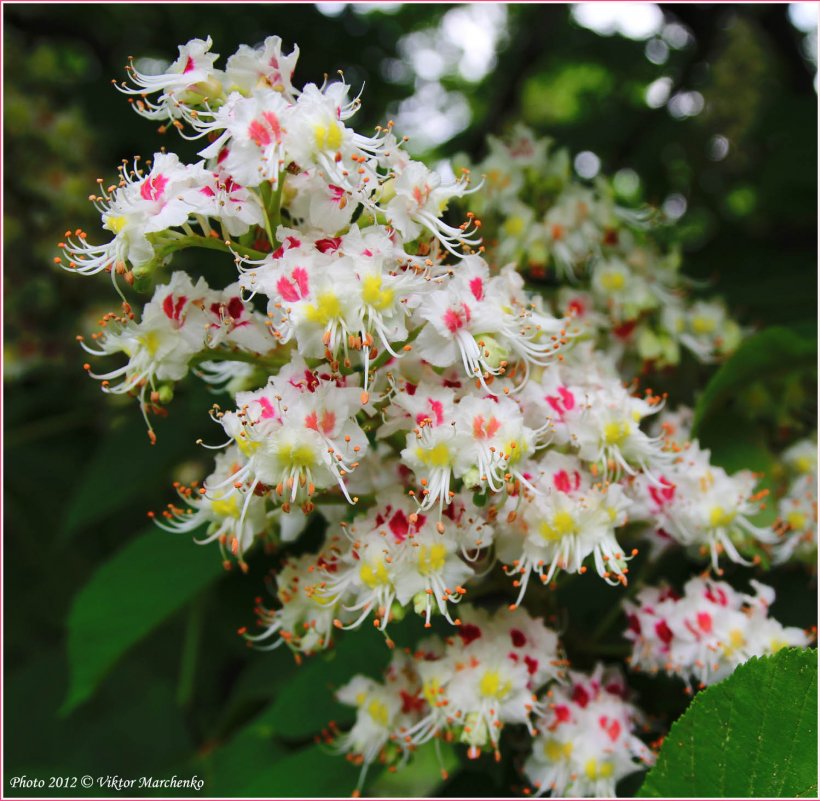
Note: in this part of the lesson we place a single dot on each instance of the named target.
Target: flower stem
(190, 651)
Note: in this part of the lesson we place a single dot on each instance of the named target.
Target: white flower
(395, 553)
(173, 329)
(482, 324)
(569, 518)
(139, 205)
(420, 200)
(586, 741)
(802, 456)
(299, 434)
(191, 80)
(700, 504)
(251, 147)
(705, 329)
(262, 67)
(606, 430)
(797, 517)
(304, 618)
(234, 527)
(706, 633)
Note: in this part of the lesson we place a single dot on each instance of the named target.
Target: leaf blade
(774, 351)
(774, 700)
(129, 596)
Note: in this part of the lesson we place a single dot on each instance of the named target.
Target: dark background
(79, 472)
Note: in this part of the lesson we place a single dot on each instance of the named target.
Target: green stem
(183, 241)
(385, 356)
(606, 621)
(611, 649)
(271, 201)
(635, 583)
(271, 363)
(190, 651)
(338, 498)
(47, 427)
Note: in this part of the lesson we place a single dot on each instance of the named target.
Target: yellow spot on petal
(555, 751)
(327, 308)
(595, 771)
(491, 685)
(299, 456)
(328, 137)
(150, 341)
(437, 456)
(245, 445)
(379, 712)
(374, 575)
(226, 507)
(563, 524)
(720, 517)
(373, 294)
(431, 559)
(703, 325)
(612, 281)
(114, 223)
(796, 520)
(616, 433)
(430, 690)
(513, 226)
(736, 640)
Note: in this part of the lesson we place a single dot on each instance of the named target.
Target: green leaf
(738, 444)
(131, 728)
(124, 469)
(310, 772)
(240, 765)
(773, 352)
(421, 777)
(308, 705)
(753, 734)
(129, 596)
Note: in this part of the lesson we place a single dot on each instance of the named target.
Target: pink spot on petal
(437, 409)
(561, 481)
(267, 409)
(477, 288)
(301, 277)
(259, 133)
(152, 188)
(287, 290)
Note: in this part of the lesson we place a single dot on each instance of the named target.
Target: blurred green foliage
(186, 696)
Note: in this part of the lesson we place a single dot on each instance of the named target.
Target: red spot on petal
(399, 525)
(469, 632)
(664, 632)
(519, 639)
(329, 245)
(580, 695)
